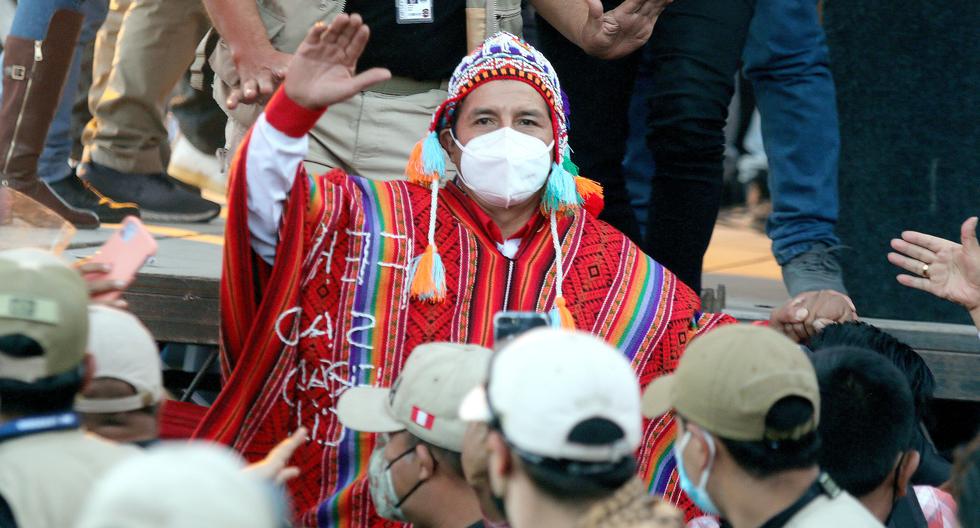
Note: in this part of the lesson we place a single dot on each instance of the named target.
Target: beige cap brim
(474, 407)
(365, 409)
(658, 398)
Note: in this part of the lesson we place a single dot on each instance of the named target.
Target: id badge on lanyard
(413, 11)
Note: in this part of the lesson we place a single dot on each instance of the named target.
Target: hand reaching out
(273, 467)
(810, 312)
(323, 69)
(260, 71)
(942, 267)
(620, 31)
(93, 272)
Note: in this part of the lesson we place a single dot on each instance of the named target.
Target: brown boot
(33, 77)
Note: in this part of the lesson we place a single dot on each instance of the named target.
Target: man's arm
(607, 35)
(321, 73)
(260, 66)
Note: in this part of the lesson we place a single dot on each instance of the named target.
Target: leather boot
(34, 75)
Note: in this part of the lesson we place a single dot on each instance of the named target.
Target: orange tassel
(429, 280)
(564, 314)
(592, 195)
(414, 170)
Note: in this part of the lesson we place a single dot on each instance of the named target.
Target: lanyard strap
(41, 423)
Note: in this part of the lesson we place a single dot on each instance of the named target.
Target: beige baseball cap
(123, 349)
(547, 384)
(43, 298)
(729, 378)
(425, 398)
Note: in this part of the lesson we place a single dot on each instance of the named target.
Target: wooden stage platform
(176, 295)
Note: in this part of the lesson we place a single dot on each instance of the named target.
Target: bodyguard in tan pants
(419, 41)
(141, 52)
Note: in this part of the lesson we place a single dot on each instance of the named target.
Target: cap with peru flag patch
(425, 398)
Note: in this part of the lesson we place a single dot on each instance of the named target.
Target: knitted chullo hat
(501, 57)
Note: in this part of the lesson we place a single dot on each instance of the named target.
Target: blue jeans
(786, 60)
(31, 22)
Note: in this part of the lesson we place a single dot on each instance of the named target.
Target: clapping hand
(323, 69)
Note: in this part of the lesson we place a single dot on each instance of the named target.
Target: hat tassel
(560, 315)
(561, 194)
(428, 272)
(426, 163)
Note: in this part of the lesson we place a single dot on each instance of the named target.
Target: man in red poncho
(331, 280)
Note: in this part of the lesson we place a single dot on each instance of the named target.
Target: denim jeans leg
(32, 16)
(787, 62)
(53, 162)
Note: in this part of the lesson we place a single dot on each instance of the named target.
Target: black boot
(158, 196)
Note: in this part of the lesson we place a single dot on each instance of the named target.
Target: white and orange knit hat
(501, 56)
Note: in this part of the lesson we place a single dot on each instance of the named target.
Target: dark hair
(966, 484)
(765, 458)
(867, 418)
(909, 362)
(574, 480)
(46, 395)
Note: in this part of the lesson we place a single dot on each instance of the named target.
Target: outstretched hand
(808, 313)
(620, 31)
(323, 69)
(941, 267)
(273, 467)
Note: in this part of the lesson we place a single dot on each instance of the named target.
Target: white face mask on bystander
(504, 167)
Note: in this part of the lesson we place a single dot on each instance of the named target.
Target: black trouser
(696, 46)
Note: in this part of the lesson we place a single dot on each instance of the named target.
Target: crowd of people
(396, 179)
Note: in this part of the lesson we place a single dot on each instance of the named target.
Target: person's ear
(700, 452)
(427, 463)
(88, 371)
(446, 140)
(499, 463)
(907, 467)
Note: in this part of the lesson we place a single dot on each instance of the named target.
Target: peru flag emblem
(422, 418)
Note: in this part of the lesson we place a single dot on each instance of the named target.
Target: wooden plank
(957, 375)
(177, 309)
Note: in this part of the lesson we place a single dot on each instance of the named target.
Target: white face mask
(505, 167)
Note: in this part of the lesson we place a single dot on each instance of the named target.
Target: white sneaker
(196, 168)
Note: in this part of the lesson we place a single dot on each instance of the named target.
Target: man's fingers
(595, 9)
(918, 283)
(93, 267)
(336, 28)
(908, 264)
(358, 42)
(286, 475)
(968, 234)
(371, 77)
(316, 33)
(911, 250)
(234, 98)
(267, 84)
(348, 32)
(932, 243)
(250, 89)
(651, 8)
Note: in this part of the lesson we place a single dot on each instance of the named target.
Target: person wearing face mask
(562, 410)
(334, 276)
(415, 472)
(748, 405)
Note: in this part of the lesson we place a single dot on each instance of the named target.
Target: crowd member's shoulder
(840, 510)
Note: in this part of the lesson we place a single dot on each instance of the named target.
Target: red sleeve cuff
(288, 117)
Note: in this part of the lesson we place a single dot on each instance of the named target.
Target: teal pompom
(560, 195)
(433, 157)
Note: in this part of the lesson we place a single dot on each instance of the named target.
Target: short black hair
(575, 480)
(764, 458)
(909, 362)
(867, 418)
(46, 395)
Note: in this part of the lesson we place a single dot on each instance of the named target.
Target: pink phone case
(126, 251)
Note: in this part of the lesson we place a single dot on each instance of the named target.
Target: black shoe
(158, 197)
(82, 195)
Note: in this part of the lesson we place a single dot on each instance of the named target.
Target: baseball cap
(188, 484)
(123, 349)
(44, 299)
(729, 378)
(549, 384)
(425, 397)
